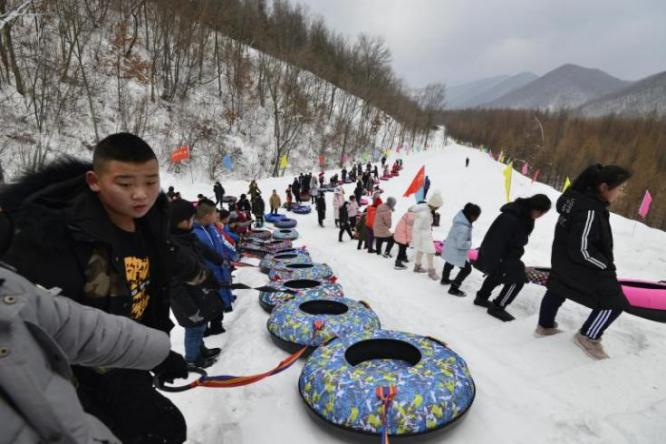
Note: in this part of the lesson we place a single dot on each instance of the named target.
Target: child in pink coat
(403, 237)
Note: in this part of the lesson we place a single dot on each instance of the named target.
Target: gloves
(174, 366)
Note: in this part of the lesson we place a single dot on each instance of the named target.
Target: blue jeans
(193, 342)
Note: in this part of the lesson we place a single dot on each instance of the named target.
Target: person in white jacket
(338, 200)
(41, 335)
(422, 240)
(456, 248)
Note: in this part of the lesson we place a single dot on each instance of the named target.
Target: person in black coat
(244, 205)
(258, 209)
(321, 208)
(358, 192)
(193, 291)
(343, 221)
(296, 189)
(344, 175)
(501, 252)
(218, 189)
(106, 246)
(375, 172)
(583, 267)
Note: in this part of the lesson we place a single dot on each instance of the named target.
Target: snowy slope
(529, 390)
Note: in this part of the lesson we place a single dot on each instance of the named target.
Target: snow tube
(261, 248)
(645, 299)
(298, 287)
(434, 386)
(472, 254)
(259, 234)
(227, 199)
(285, 233)
(274, 217)
(287, 256)
(285, 223)
(301, 209)
(292, 324)
(301, 271)
(364, 201)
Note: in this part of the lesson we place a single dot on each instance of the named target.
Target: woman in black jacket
(583, 267)
(501, 251)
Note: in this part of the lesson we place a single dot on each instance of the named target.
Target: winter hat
(435, 200)
(180, 210)
(391, 202)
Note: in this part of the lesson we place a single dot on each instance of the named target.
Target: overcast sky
(457, 41)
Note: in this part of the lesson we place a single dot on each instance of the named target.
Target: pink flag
(645, 205)
(397, 150)
(525, 169)
(536, 176)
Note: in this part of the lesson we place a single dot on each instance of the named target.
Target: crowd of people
(121, 254)
(582, 256)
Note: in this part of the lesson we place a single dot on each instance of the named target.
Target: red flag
(321, 160)
(536, 176)
(417, 182)
(181, 153)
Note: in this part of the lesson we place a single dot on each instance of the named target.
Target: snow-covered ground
(529, 390)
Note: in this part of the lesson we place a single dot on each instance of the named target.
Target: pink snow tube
(472, 255)
(364, 201)
(644, 294)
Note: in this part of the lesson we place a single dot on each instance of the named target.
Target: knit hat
(391, 202)
(180, 210)
(435, 200)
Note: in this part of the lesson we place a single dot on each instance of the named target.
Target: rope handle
(386, 395)
(161, 384)
(365, 304)
(440, 342)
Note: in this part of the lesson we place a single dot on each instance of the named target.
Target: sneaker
(542, 332)
(371, 251)
(432, 274)
(445, 281)
(210, 352)
(481, 302)
(455, 291)
(203, 362)
(387, 255)
(419, 269)
(592, 347)
(500, 313)
(400, 267)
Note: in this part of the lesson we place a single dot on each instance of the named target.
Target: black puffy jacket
(583, 267)
(504, 244)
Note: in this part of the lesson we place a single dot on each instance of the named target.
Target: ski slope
(530, 390)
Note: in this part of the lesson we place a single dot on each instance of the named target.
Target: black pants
(362, 241)
(506, 296)
(402, 254)
(460, 277)
(128, 404)
(345, 227)
(321, 216)
(594, 326)
(274, 211)
(389, 244)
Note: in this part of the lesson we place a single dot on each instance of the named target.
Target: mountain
(458, 96)
(480, 94)
(640, 98)
(568, 86)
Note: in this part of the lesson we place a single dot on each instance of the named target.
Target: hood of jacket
(461, 219)
(573, 199)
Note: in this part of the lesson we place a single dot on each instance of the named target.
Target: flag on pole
(535, 176)
(228, 163)
(284, 162)
(567, 184)
(181, 153)
(508, 171)
(417, 182)
(525, 170)
(500, 159)
(322, 160)
(645, 205)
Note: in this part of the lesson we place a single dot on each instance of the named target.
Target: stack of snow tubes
(301, 209)
(285, 233)
(359, 377)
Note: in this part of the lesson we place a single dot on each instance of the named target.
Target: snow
(529, 390)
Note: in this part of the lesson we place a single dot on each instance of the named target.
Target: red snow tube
(472, 255)
(644, 299)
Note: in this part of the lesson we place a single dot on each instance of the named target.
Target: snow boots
(542, 332)
(432, 274)
(455, 291)
(592, 347)
(499, 312)
(419, 269)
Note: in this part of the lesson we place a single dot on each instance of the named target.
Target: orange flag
(417, 182)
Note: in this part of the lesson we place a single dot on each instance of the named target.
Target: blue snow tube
(301, 209)
(285, 223)
(293, 324)
(299, 287)
(286, 256)
(316, 271)
(274, 217)
(434, 386)
(285, 233)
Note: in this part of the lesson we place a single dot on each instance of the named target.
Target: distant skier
(218, 189)
(466, 162)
